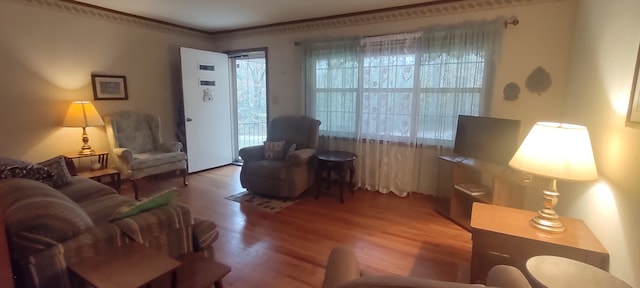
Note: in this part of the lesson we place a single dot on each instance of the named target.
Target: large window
(394, 94)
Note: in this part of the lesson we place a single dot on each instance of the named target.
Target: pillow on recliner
(273, 150)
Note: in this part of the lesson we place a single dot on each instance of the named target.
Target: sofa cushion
(37, 216)
(14, 168)
(156, 158)
(58, 167)
(83, 189)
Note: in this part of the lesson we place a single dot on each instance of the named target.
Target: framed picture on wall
(633, 115)
(109, 87)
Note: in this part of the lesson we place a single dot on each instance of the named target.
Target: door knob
(189, 119)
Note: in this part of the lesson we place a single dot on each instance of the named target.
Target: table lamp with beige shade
(83, 114)
(558, 151)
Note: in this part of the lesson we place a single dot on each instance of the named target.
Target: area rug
(264, 203)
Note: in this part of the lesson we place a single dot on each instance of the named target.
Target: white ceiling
(221, 15)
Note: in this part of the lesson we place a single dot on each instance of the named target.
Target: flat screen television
(488, 139)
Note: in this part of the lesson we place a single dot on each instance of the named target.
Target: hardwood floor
(289, 248)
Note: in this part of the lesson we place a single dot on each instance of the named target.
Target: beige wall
(531, 44)
(605, 49)
(46, 60)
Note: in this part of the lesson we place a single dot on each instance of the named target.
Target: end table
(340, 162)
(94, 174)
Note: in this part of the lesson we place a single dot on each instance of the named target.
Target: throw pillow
(273, 150)
(291, 149)
(58, 166)
(162, 199)
(14, 168)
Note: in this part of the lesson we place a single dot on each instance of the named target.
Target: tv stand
(463, 181)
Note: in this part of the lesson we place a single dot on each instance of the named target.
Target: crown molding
(428, 9)
(387, 15)
(86, 10)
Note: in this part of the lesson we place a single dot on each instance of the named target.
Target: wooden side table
(132, 265)
(339, 162)
(96, 174)
(200, 271)
(502, 235)
(554, 271)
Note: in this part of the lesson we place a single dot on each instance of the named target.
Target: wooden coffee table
(132, 265)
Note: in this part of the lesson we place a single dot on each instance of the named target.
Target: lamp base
(84, 151)
(86, 148)
(547, 220)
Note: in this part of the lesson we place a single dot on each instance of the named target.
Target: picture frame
(109, 87)
(633, 115)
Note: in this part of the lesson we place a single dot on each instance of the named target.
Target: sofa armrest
(299, 157)
(172, 146)
(252, 153)
(506, 277)
(163, 228)
(342, 267)
(124, 154)
(205, 232)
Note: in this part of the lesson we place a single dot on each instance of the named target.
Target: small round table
(554, 271)
(339, 162)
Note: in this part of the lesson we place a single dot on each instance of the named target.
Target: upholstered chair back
(298, 129)
(135, 131)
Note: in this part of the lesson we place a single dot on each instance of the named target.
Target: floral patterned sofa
(48, 227)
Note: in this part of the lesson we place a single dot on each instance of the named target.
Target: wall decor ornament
(633, 115)
(109, 87)
(538, 81)
(511, 91)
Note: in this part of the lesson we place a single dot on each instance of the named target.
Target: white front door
(207, 108)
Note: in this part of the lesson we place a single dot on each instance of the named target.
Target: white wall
(605, 49)
(46, 60)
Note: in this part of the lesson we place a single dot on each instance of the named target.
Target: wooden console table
(502, 235)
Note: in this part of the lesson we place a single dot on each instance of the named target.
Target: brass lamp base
(86, 148)
(548, 221)
(88, 151)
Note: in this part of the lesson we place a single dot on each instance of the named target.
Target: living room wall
(530, 44)
(48, 54)
(604, 53)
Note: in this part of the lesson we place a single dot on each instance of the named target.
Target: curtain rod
(511, 21)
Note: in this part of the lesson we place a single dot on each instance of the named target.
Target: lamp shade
(557, 150)
(82, 114)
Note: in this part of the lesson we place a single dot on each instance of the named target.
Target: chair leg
(135, 188)
(184, 177)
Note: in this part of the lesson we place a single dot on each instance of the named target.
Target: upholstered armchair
(288, 169)
(135, 141)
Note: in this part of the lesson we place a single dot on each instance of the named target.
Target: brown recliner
(293, 174)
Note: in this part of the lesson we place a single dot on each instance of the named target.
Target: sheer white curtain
(394, 99)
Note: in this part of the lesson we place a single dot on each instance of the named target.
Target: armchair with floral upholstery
(135, 141)
(284, 166)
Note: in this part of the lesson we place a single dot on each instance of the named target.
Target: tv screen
(489, 139)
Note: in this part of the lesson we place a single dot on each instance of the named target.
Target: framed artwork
(633, 115)
(109, 87)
